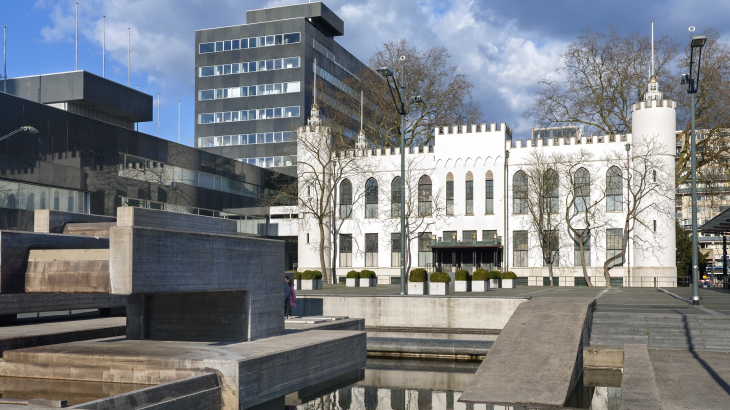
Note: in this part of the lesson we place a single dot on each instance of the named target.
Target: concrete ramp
(538, 357)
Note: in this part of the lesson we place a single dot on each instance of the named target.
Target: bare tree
(584, 195)
(424, 207)
(601, 75)
(322, 161)
(426, 72)
(649, 185)
(536, 190)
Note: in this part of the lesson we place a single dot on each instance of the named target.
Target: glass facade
(249, 91)
(250, 42)
(250, 67)
(28, 197)
(248, 115)
(246, 139)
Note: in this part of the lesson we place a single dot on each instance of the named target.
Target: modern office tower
(254, 82)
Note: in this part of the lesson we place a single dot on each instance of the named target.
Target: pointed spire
(362, 142)
(314, 119)
(652, 92)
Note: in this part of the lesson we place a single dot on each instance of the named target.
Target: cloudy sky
(506, 47)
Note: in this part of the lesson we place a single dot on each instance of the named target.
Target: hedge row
(418, 275)
(365, 274)
(440, 277)
(308, 275)
(462, 275)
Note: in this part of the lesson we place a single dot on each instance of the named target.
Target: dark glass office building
(87, 157)
(253, 81)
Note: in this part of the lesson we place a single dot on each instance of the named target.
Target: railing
(468, 243)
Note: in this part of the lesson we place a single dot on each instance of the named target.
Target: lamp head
(417, 100)
(385, 71)
(30, 130)
(685, 79)
(628, 147)
(698, 41)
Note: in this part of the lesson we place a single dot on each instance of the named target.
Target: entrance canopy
(717, 225)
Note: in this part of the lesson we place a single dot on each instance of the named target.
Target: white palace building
(468, 209)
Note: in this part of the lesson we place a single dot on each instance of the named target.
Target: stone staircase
(661, 331)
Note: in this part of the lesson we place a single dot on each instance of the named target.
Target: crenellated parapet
(473, 128)
(618, 139)
(653, 104)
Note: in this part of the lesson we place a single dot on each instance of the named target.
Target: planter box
(352, 282)
(479, 285)
(462, 286)
(438, 288)
(311, 284)
(494, 283)
(508, 283)
(297, 284)
(367, 282)
(418, 288)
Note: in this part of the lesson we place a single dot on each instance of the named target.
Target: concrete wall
(28, 303)
(68, 271)
(152, 218)
(47, 221)
(145, 260)
(426, 311)
(190, 316)
(15, 247)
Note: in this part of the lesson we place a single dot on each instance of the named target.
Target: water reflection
(392, 384)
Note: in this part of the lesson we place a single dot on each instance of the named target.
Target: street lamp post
(628, 206)
(28, 129)
(400, 108)
(692, 82)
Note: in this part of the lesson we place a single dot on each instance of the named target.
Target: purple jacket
(293, 299)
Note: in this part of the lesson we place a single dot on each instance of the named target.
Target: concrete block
(508, 284)
(479, 285)
(310, 284)
(417, 288)
(153, 218)
(45, 302)
(638, 382)
(47, 221)
(495, 283)
(88, 229)
(15, 247)
(367, 282)
(352, 282)
(220, 316)
(525, 354)
(68, 271)
(603, 358)
(462, 286)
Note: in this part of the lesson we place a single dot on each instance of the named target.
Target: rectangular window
(235, 68)
(395, 249)
(206, 142)
(277, 137)
(586, 239)
(207, 48)
(449, 197)
(469, 197)
(292, 87)
(552, 243)
(291, 112)
(371, 249)
(207, 71)
(252, 42)
(244, 43)
(227, 45)
(291, 62)
(614, 242)
(469, 236)
(449, 236)
(489, 236)
(291, 38)
(219, 70)
(425, 255)
(236, 44)
(218, 46)
(278, 39)
(206, 118)
(519, 249)
(345, 250)
(269, 137)
(489, 197)
(269, 64)
(206, 95)
(227, 69)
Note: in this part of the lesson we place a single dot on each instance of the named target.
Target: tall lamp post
(29, 130)
(692, 81)
(400, 108)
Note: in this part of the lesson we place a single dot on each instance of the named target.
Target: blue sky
(505, 47)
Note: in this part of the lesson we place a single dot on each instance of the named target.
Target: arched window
(582, 188)
(371, 198)
(449, 194)
(395, 198)
(424, 196)
(56, 200)
(519, 192)
(614, 189)
(489, 193)
(551, 189)
(345, 199)
(30, 202)
(469, 193)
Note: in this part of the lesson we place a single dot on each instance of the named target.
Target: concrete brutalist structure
(197, 302)
(538, 357)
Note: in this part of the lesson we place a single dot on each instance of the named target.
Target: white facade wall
(482, 148)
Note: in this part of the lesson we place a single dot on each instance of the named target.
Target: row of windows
(246, 139)
(249, 91)
(270, 162)
(425, 256)
(332, 79)
(248, 115)
(18, 195)
(250, 67)
(331, 56)
(550, 184)
(614, 241)
(143, 169)
(251, 42)
(371, 197)
(469, 235)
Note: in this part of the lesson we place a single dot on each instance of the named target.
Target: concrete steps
(668, 332)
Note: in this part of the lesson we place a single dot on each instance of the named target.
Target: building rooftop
(317, 13)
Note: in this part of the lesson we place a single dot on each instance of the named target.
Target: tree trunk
(322, 262)
(583, 263)
(550, 271)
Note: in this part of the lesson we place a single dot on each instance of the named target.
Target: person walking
(287, 297)
(292, 299)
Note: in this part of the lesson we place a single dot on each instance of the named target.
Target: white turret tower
(655, 119)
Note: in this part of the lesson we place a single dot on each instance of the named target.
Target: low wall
(47, 221)
(153, 218)
(413, 311)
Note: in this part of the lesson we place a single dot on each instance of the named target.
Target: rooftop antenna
(5, 59)
(77, 37)
(361, 108)
(315, 82)
(178, 121)
(129, 49)
(652, 48)
(103, 48)
(158, 115)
